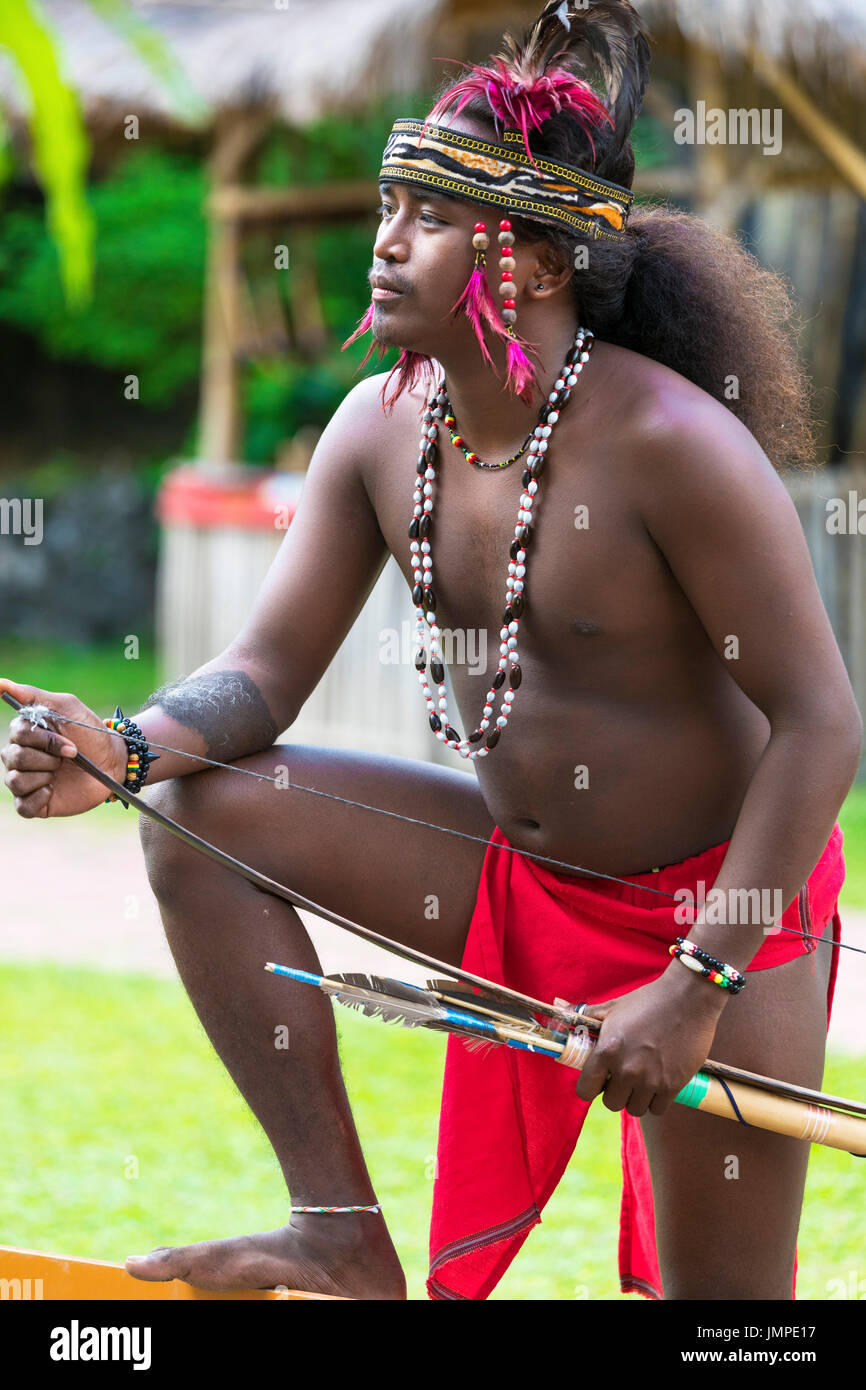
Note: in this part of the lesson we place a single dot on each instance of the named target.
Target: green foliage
(146, 312)
(61, 146)
(145, 316)
(99, 675)
(282, 395)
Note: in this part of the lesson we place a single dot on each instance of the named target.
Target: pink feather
(363, 327)
(410, 367)
(520, 106)
(480, 308)
(521, 372)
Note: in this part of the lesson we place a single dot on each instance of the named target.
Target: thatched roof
(312, 57)
(828, 35)
(317, 56)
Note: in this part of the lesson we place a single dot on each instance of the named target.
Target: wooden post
(718, 198)
(219, 415)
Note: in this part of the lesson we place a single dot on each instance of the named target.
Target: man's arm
(330, 559)
(727, 528)
(724, 523)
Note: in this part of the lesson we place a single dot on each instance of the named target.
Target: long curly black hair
(674, 289)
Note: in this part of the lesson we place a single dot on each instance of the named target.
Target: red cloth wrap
(510, 1120)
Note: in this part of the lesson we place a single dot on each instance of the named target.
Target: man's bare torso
(620, 677)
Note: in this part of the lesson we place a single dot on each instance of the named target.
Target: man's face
(423, 251)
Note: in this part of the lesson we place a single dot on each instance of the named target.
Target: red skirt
(510, 1120)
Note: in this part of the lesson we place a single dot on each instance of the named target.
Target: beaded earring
(521, 372)
(507, 267)
(480, 307)
(476, 300)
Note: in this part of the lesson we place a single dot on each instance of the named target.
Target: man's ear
(551, 271)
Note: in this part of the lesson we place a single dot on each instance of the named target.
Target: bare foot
(352, 1259)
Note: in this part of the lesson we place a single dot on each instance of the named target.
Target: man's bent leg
(221, 930)
(727, 1198)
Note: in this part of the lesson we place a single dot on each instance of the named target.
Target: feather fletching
(465, 997)
(445, 1009)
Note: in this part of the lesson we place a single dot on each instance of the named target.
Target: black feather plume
(606, 38)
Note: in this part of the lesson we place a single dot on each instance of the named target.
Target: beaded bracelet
(705, 958)
(699, 960)
(139, 756)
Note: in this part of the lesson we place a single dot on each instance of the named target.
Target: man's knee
(169, 861)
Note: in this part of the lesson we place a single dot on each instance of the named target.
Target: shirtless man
(692, 538)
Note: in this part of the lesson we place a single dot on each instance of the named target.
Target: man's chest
(591, 572)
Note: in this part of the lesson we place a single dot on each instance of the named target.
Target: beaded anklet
(699, 960)
(328, 1209)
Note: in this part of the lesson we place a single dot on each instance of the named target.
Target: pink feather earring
(476, 300)
(480, 307)
(521, 372)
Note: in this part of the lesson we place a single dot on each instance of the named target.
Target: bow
(574, 1017)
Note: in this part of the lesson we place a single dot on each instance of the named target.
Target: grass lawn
(852, 819)
(101, 675)
(122, 1131)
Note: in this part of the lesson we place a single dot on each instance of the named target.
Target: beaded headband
(445, 159)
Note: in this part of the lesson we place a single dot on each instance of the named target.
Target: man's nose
(391, 243)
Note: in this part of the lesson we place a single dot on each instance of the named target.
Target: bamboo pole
(813, 1123)
(219, 414)
(834, 143)
(762, 1109)
(314, 202)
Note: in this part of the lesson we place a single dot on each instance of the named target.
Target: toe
(165, 1262)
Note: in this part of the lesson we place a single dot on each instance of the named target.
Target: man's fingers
(660, 1103)
(617, 1093)
(19, 759)
(601, 1011)
(35, 805)
(640, 1100)
(592, 1079)
(24, 694)
(22, 784)
(26, 735)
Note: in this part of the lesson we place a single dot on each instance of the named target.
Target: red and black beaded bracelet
(138, 754)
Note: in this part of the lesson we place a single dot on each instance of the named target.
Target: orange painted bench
(32, 1275)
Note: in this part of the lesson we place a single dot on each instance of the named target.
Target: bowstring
(37, 712)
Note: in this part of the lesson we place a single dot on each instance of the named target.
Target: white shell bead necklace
(421, 558)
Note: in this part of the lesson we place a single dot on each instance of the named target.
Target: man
(681, 689)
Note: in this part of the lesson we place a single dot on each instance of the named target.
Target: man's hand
(39, 771)
(652, 1041)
